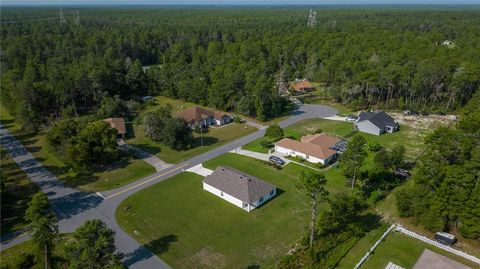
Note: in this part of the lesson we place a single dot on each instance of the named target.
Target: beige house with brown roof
(301, 87)
(201, 116)
(118, 124)
(317, 148)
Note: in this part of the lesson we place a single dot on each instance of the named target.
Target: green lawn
(215, 137)
(191, 228)
(17, 192)
(26, 255)
(124, 171)
(404, 251)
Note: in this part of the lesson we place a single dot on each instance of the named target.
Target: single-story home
(317, 148)
(201, 116)
(375, 123)
(238, 188)
(300, 87)
(118, 124)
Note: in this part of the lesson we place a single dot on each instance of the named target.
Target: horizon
(206, 3)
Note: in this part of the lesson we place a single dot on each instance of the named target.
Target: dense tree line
(237, 59)
(446, 191)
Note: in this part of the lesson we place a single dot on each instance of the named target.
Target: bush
(374, 146)
(237, 119)
(319, 131)
(266, 144)
(274, 131)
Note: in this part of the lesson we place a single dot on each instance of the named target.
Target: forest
(236, 59)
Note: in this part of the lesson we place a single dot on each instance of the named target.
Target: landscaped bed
(213, 138)
(189, 227)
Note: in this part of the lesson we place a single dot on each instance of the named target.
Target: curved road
(73, 207)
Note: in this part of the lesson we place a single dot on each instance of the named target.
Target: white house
(240, 189)
(375, 123)
(318, 148)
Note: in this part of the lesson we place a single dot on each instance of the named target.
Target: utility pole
(77, 18)
(62, 17)
(312, 18)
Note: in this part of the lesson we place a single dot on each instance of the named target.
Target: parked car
(351, 118)
(277, 160)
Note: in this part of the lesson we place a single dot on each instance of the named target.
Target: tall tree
(314, 186)
(353, 157)
(43, 225)
(93, 247)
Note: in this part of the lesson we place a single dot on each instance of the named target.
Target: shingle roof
(301, 85)
(117, 123)
(242, 186)
(379, 119)
(196, 113)
(432, 260)
(318, 145)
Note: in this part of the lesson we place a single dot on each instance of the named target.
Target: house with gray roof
(238, 188)
(376, 123)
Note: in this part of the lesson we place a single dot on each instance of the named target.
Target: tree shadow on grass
(157, 246)
(162, 244)
(207, 141)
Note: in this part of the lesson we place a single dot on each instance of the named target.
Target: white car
(351, 118)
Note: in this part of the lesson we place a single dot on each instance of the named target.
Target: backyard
(404, 251)
(127, 169)
(189, 227)
(215, 137)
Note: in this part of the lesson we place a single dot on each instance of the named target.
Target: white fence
(419, 237)
(364, 258)
(438, 245)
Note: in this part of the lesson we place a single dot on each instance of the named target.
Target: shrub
(319, 131)
(374, 146)
(266, 144)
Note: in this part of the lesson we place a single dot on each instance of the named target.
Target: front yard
(191, 228)
(127, 169)
(215, 137)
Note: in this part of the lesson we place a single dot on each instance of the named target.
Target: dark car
(351, 118)
(277, 160)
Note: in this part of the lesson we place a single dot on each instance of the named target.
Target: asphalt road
(73, 207)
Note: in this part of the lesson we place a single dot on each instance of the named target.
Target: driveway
(74, 207)
(151, 159)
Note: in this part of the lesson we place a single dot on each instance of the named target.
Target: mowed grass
(17, 192)
(405, 251)
(191, 228)
(126, 170)
(27, 255)
(215, 137)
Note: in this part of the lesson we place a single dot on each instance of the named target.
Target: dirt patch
(208, 257)
(424, 122)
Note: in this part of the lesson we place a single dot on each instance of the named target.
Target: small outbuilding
(445, 238)
(238, 188)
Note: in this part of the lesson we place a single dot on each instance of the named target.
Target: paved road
(73, 207)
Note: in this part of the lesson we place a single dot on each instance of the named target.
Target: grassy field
(404, 251)
(215, 137)
(124, 171)
(17, 192)
(191, 228)
(25, 255)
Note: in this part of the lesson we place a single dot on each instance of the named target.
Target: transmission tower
(77, 18)
(62, 17)
(312, 18)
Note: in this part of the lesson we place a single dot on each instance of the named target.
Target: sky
(234, 2)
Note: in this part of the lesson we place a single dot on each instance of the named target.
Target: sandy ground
(424, 122)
